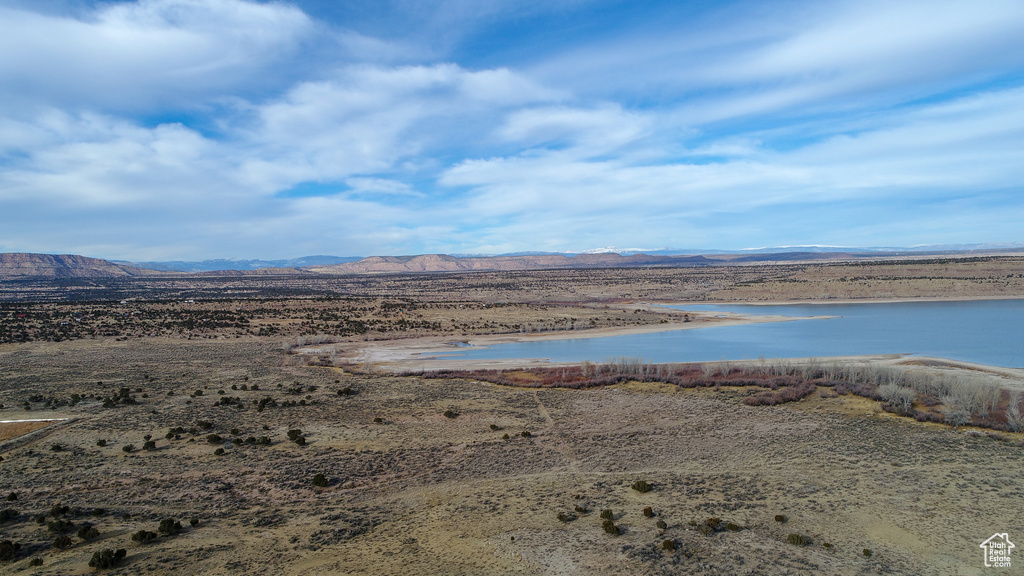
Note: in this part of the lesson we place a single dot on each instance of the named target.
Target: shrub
(8, 550)
(669, 545)
(143, 536)
(505, 436)
(107, 558)
(204, 424)
(649, 512)
(580, 509)
(867, 552)
(661, 524)
(88, 533)
(194, 522)
(56, 448)
(8, 514)
(607, 515)
(495, 427)
(733, 527)
(218, 452)
(214, 438)
(149, 446)
(35, 562)
(12, 497)
(320, 480)
(294, 434)
(781, 519)
(526, 434)
(59, 526)
(610, 527)
(566, 517)
(449, 413)
(798, 539)
(641, 486)
(98, 511)
(128, 448)
(378, 420)
(301, 440)
(63, 541)
(169, 526)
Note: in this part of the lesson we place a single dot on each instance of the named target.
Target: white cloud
(143, 54)
(753, 58)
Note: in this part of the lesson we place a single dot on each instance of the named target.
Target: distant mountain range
(328, 262)
(19, 265)
(224, 264)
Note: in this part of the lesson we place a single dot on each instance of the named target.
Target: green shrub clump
(143, 536)
(169, 526)
(781, 519)
(88, 533)
(107, 558)
(8, 550)
(59, 526)
(62, 542)
(610, 527)
(641, 486)
(669, 545)
(607, 515)
(319, 480)
(799, 540)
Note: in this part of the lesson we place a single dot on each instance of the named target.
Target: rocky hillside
(19, 265)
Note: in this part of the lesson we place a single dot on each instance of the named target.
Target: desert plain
(268, 425)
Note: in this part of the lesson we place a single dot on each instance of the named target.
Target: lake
(986, 332)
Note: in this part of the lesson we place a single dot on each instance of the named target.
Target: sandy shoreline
(441, 352)
(429, 352)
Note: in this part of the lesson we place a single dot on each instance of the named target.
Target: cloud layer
(164, 129)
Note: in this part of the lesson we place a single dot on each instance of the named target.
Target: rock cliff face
(19, 265)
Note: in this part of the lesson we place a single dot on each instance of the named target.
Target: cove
(981, 331)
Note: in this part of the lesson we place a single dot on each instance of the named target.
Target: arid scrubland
(193, 438)
(459, 476)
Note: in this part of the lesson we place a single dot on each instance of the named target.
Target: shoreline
(442, 351)
(395, 354)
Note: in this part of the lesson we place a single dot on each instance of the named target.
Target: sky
(195, 129)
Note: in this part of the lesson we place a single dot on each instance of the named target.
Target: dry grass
(419, 493)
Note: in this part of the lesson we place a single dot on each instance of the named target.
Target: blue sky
(188, 129)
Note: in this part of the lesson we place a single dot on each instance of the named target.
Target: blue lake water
(986, 332)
